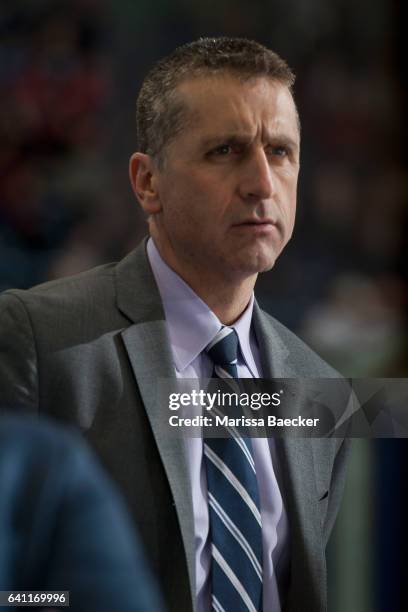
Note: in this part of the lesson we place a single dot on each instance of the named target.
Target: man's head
(161, 112)
(219, 158)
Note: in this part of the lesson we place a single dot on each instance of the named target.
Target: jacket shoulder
(85, 292)
(78, 286)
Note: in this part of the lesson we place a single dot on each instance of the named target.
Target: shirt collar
(191, 324)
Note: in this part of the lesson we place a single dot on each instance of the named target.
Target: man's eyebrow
(227, 139)
(283, 140)
(242, 138)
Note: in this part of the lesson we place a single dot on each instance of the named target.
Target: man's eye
(224, 149)
(279, 151)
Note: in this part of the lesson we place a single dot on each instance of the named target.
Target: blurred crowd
(59, 209)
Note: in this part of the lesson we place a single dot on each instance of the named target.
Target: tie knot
(223, 349)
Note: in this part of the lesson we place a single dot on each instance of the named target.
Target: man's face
(227, 190)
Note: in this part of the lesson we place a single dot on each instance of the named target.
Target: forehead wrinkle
(235, 120)
(272, 132)
(239, 119)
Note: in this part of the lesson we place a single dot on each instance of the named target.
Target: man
(62, 524)
(216, 173)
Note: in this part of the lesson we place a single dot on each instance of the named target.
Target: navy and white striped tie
(235, 518)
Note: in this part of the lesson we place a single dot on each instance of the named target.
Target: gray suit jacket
(89, 350)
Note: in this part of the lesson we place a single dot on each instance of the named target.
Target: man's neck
(227, 302)
(226, 297)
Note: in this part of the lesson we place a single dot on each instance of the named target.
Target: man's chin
(255, 265)
(268, 266)
(263, 259)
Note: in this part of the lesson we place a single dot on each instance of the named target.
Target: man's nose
(257, 178)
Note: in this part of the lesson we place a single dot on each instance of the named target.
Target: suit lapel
(297, 481)
(150, 355)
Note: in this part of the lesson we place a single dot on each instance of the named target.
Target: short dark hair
(160, 112)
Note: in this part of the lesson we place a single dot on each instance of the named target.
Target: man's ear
(141, 170)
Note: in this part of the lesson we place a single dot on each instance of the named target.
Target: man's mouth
(257, 224)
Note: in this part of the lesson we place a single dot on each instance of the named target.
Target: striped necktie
(233, 499)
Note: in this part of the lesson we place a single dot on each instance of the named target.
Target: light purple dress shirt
(191, 327)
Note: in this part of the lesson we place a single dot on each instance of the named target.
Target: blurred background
(69, 77)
